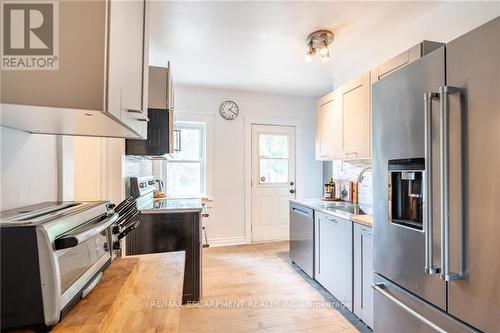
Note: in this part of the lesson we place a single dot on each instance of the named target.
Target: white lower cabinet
(333, 256)
(363, 273)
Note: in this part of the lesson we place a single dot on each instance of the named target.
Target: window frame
(202, 127)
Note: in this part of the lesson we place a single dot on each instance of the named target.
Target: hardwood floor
(255, 288)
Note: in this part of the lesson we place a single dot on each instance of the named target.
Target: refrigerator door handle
(428, 229)
(380, 287)
(446, 275)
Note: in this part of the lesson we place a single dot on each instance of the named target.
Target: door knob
(292, 191)
(292, 183)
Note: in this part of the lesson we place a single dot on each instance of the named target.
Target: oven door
(87, 253)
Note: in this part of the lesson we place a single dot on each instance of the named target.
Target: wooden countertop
(136, 294)
(363, 219)
(154, 302)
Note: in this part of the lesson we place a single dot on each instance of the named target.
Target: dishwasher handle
(302, 211)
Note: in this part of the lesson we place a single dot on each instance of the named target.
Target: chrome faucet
(360, 176)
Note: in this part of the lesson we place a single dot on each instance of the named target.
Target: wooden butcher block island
(136, 294)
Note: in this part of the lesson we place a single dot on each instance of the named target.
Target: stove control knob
(116, 245)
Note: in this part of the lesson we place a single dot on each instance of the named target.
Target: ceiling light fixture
(318, 41)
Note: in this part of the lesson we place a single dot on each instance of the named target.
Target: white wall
(97, 169)
(227, 186)
(29, 168)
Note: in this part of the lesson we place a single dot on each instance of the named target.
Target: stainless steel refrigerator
(436, 165)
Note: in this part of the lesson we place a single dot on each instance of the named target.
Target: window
(185, 170)
(273, 158)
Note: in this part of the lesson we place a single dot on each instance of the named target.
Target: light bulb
(324, 49)
(325, 57)
(310, 53)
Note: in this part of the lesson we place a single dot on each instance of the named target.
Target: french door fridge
(436, 164)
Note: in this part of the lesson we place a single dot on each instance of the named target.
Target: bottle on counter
(329, 189)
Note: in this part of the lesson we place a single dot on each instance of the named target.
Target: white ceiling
(259, 46)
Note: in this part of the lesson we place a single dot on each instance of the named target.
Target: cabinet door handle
(142, 116)
(332, 220)
(177, 140)
(355, 153)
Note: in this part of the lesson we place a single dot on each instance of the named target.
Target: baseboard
(227, 241)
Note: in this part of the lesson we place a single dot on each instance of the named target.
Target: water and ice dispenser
(406, 181)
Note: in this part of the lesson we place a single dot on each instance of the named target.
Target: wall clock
(229, 110)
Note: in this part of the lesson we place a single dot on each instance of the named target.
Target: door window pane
(273, 170)
(273, 146)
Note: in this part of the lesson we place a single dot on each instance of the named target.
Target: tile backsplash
(350, 170)
(137, 167)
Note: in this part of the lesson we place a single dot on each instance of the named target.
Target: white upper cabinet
(354, 101)
(343, 117)
(328, 127)
(128, 70)
(101, 86)
(403, 59)
(343, 122)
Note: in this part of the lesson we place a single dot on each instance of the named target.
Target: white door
(273, 181)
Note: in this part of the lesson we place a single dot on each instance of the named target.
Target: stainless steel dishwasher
(302, 237)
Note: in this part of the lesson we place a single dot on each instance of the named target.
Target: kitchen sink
(345, 208)
(351, 209)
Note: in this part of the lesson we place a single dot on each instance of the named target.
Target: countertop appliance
(168, 225)
(435, 176)
(302, 237)
(53, 254)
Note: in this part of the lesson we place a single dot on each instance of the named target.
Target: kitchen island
(170, 205)
(136, 294)
(171, 224)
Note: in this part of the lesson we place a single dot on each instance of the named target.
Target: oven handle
(92, 285)
(73, 240)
